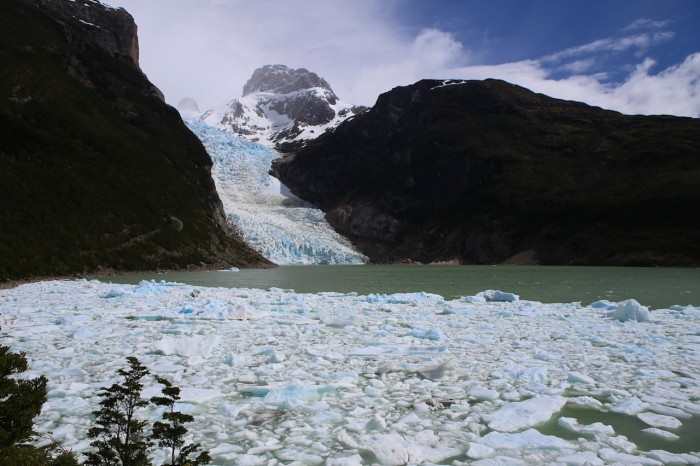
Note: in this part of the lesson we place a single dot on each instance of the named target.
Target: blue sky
(634, 56)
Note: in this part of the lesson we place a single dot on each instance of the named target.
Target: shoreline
(14, 283)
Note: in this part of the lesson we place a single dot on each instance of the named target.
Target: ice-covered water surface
(277, 377)
(271, 219)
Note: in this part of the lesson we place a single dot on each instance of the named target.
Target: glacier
(279, 225)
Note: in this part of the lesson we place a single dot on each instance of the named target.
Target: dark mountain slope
(96, 171)
(488, 172)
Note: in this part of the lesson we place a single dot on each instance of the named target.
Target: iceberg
(631, 310)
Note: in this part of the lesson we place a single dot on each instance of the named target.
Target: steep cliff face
(488, 172)
(112, 29)
(96, 172)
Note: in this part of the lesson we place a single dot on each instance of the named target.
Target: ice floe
(276, 377)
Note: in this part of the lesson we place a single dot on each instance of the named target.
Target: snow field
(276, 377)
(258, 205)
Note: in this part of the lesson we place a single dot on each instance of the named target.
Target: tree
(119, 435)
(20, 402)
(170, 434)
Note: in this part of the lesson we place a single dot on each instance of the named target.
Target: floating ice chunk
(577, 377)
(631, 310)
(233, 269)
(582, 458)
(661, 433)
(572, 424)
(479, 451)
(291, 395)
(499, 461)
(669, 411)
(527, 413)
(603, 304)
(433, 334)
(439, 371)
(529, 439)
(196, 345)
(660, 420)
(403, 298)
(674, 458)
(251, 460)
(612, 456)
(345, 320)
(388, 367)
(689, 311)
(376, 423)
(295, 456)
(584, 401)
(390, 449)
(276, 356)
(482, 393)
(524, 374)
(113, 293)
(491, 295)
(146, 287)
(354, 460)
(394, 350)
(630, 406)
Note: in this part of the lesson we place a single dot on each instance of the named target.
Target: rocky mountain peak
(282, 107)
(280, 79)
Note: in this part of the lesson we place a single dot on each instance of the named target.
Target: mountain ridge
(488, 172)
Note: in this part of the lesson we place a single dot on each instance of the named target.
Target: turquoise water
(629, 426)
(653, 287)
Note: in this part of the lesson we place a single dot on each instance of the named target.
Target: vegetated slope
(488, 172)
(96, 171)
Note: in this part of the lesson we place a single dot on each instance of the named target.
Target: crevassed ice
(270, 218)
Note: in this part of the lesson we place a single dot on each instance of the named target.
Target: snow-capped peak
(280, 106)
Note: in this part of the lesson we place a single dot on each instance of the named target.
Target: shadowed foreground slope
(97, 173)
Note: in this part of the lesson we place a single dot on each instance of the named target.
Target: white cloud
(207, 49)
(646, 23)
(639, 42)
(673, 91)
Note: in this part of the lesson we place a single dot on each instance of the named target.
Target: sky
(633, 56)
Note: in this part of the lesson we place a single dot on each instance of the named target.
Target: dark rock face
(96, 172)
(488, 172)
(112, 29)
(280, 79)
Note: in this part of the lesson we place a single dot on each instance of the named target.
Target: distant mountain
(487, 172)
(282, 107)
(97, 173)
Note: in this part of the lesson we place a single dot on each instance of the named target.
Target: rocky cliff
(487, 172)
(282, 107)
(97, 173)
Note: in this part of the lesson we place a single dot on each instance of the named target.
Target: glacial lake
(653, 287)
